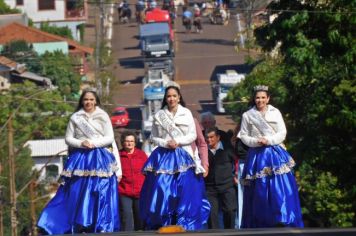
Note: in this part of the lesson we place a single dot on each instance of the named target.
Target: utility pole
(12, 178)
(1, 206)
(99, 34)
(240, 31)
(32, 208)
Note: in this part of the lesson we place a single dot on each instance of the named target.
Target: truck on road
(155, 40)
(223, 84)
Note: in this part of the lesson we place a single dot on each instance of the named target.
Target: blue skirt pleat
(172, 193)
(86, 201)
(270, 192)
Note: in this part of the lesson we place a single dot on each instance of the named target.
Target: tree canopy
(36, 113)
(313, 83)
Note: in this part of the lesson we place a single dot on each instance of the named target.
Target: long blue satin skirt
(172, 193)
(270, 190)
(88, 199)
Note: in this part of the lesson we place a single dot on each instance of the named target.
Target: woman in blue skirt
(270, 192)
(173, 192)
(87, 201)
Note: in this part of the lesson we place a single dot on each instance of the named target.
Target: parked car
(120, 117)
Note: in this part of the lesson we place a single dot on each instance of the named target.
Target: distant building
(12, 72)
(10, 18)
(60, 13)
(48, 156)
(42, 41)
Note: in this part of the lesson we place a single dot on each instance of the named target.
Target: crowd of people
(198, 176)
(216, 11)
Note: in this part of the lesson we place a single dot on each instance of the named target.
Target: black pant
(226, 199)
(129, 214)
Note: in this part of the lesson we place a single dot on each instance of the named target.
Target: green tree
(56, 66)
(23, 53)
(60, 69)
(36, 113)
(313, 83)
(5, 9)
(61, 31)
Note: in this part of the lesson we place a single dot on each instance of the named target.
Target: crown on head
(260, 88)
(90, 89)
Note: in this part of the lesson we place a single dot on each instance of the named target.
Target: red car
(120, 117)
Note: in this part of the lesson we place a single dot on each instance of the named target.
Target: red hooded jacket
(132, 177)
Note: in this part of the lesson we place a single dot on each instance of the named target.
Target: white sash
(260, 123)
(169, 126)
(87, 129)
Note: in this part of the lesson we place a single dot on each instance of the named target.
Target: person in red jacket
(132, 161)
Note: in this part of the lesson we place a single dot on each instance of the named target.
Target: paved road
(198, 58)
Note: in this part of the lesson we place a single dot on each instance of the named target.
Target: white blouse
(249, 133)
(183, 119)
(103, 133)
(100, 120)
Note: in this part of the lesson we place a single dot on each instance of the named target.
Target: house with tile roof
(61, 13)
(42, 41)
(12, 72)
(49, 156)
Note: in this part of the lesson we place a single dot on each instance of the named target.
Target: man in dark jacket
(207, 120)
(220, 186)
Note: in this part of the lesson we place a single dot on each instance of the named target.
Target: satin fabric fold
(270, 190)
(172, 193)
(88, 198)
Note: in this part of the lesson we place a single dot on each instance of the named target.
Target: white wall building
(70, 13)
(48, 156)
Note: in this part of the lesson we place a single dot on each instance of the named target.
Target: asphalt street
(199, 57)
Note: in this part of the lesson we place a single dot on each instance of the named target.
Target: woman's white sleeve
(70, 137)
(244, 133)
(155, 139)
(191, 135)
(280, 130)
(116, 153)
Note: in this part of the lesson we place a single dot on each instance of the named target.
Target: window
(46, 4)
(52, 171)
(19, 2)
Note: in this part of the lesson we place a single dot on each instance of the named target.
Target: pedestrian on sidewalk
(87, 201)
(173, 192)
(270, 191)
(132, 161)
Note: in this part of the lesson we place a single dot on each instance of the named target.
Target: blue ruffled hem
(266, 161)
(86, 202)
(90, 162)
(270, 194)
(168, 161)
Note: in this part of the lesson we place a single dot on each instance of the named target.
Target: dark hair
(80, 103)
(125, 134)
(212, 129)
(181, 101)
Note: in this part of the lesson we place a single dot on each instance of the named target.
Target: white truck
(224, 83)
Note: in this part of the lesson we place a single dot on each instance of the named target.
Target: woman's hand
(119, 178)
(262, 141)
(172, 144)
(206, 173)
(87, 144)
